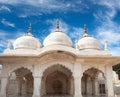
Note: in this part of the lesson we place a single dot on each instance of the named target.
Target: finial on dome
(30, 29)
(106, 45)
(85, 29)
(57, 25)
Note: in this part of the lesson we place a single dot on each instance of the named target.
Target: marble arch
(89, 68)
(57, 80)
(19, 67)
(20, 83)
(93, 83)
(68, 66)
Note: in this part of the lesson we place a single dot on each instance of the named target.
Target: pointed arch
(20, 82)
(93, 82)
(57, 80)
(96, 69)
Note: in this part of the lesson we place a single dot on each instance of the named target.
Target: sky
(102, 18)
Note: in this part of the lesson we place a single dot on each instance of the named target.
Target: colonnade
(77, 84)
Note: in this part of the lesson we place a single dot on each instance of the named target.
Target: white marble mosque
(57, 68)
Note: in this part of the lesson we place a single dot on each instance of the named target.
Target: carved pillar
(109, 81)
(37, 86)
(42, 91)
(93, 86)
(72, 86)
(85, 85)
(4, 81)
(89, 86)
(24, 91)
(96, 86)
(77, 79)
(19, 81)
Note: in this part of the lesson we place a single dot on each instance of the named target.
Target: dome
(57, 37)
(27, 41)
(88, 42)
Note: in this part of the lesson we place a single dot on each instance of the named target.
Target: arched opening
(93, 83)
(20, 83)
(57, 81)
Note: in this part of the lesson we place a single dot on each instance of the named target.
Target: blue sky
(102, 18)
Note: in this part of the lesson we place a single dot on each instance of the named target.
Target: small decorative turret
(106, 45)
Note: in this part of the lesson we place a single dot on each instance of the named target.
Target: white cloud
(48, 5)
(3, 43)
(10, 1)
(115, 51)
(109, 3)
(109, 35)
(112, 6)
(108, 29)
(7, 23)
(5, 36)
(13, 35)
(23, 16)
(5, 8)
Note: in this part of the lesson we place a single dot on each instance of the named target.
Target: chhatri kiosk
(57, 68)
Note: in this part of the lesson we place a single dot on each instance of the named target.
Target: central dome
(57, 37)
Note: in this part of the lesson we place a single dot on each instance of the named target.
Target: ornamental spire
(30, 29)
(85, 29)
(57, 25)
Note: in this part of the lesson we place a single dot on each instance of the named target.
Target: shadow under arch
(57, 80)
(20, 83)
(93, 83)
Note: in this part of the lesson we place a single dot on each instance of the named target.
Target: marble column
(93, 86)
(37, 86)
(42, 91)
(77, 87)
(19, 81)
(85, 85)
(72, 86)
(4, 81)
(96, 86)
(109, 81)
(89, 86)
(77, 79)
